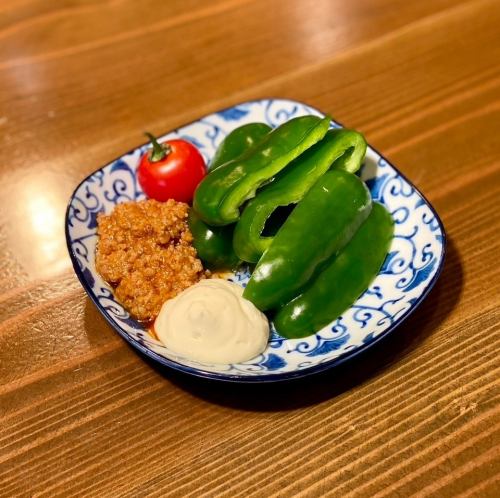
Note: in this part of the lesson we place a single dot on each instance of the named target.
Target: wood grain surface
(81, 414)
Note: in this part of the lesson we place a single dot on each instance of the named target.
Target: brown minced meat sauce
(145, 252)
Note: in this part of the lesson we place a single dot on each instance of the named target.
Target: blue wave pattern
(414, 258)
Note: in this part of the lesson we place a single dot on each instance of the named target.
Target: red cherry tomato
(171, 170)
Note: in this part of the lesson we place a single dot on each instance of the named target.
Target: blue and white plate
(409, 272)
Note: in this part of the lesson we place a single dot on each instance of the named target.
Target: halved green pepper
(319, 227)
(341, 281)
(220, 194)
(214, 245)
(237, 142)
(344, 148)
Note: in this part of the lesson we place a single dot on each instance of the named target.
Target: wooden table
(82, 414)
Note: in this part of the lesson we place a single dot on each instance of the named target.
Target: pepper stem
(160, 151)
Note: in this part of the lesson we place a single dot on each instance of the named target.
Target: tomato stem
(160, 151)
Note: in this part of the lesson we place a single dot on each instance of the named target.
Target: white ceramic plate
(409, 272)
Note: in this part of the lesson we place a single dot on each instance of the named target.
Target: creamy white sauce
(211, 322)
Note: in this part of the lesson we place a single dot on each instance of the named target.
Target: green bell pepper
(318, 227)
(214, 245)
(237, 142)
(342, 280)
(344, 148)
(220, 194)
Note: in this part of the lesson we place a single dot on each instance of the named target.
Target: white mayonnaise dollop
(211, 322)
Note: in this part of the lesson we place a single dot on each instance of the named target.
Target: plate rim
(258, 378)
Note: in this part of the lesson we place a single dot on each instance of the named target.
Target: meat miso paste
(145, 252)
